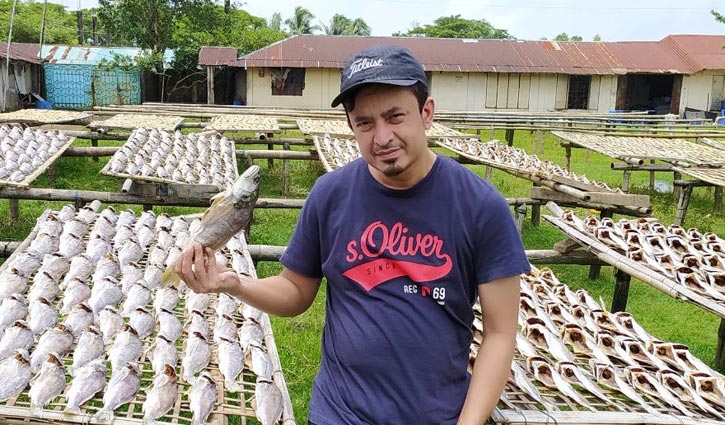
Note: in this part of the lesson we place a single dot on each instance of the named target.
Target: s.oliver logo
(383, 251)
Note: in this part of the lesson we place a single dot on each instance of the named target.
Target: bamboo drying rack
(25, 183)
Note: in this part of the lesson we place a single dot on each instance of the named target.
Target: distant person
(407, 240)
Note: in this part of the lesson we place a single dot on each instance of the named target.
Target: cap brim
(403, 83)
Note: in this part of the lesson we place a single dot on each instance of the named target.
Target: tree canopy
(60, 26)
(301, 22)
(342, 25)
(456, 27)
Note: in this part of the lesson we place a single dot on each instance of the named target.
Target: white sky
(613, 20)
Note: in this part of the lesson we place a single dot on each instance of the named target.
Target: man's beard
(392, 169)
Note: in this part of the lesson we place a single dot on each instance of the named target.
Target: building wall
(321, 86)
(703, 90)
(603, 93)
(22, 80)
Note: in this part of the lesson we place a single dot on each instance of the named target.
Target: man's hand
(197, 267)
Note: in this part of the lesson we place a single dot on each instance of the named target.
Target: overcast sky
(613, 20)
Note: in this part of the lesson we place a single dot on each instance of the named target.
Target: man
(407, 239)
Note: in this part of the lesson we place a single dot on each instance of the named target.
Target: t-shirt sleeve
(302, 254)
(500, 253)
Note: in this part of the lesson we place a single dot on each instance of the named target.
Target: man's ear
(427, 113)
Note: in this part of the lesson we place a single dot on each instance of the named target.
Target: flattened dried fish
(90, 347)
(122, 388)
(268, 401)
(42, 315)
(606, 375)
(640, 379)
(574, 375)
(678, 387)
(57, 340)
(162, 395)
(15, 374)
(89, 380)
(17, 336)
(543, 371)
(202, 398)
(47, 383)
(196, 356)
(231, 363)
(162, 352)
(126, 348)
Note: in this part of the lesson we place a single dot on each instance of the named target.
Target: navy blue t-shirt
(402, 269)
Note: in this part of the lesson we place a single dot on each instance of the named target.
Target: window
(287, 81)
(579, 91)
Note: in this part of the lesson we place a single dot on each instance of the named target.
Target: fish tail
(170, 278)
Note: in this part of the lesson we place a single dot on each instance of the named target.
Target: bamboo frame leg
(621, 291)
(492, 134)
(94, 143)
(52, 173)
(718, 200)
(285, 173)
(536, 215)
(676, 189)
(626, 176)
(567, 154)
(651, 177)
(595, 269)
(720, 350)
(489, 173)
(520, 217)
(510, 136)
(270, 161)
(683, 202)
(14, 209)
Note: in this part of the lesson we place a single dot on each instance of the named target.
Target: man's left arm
(500, 306)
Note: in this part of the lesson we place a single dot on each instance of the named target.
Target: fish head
(246, 188)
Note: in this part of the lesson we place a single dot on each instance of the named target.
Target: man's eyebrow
(392, 111)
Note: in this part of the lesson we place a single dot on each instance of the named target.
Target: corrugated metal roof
(705, 51)
(87, 55)
(26, 52)
(514, 56)
(214, 56)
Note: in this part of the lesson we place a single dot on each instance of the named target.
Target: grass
(298, 338)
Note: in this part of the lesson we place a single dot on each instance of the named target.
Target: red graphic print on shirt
(383, 251)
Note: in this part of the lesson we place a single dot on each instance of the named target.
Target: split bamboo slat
(229, 122)
(669, 150)
(29, 178)
(44, 116)
(713, 143)
(237, 405)
(335, 128)
(208, 148)
(714, 176)
(651, 269)
(133, 121)
(554, 397)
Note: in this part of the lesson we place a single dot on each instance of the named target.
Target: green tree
(718, 17)
(276, 22)
(565, 37)
(60, 26)
(456, 27)
(342, 25)
(301, 22)
(596, 38)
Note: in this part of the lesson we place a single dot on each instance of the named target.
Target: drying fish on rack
(543, 371)
(268, 401)
(161, 395)
(202, 398)
(122, 388)
(48, 383)
(23, 151)
(15, 373)
(230, 212)
(89, 380)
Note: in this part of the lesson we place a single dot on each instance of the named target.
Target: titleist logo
(362, 64)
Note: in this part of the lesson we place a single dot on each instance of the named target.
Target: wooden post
(510, 136)
(676, 189)
(94, 143)
(621, 291)
(52, 172)
(626, 175)
(720, 350)
(595, 269)
(270, 161)
(536, 213)
(718, 200)
(520, 217)
(14, 209)
(210, 85)
(651, 177)
(489, 173)
(683, 201)
(285, 173)
(567, 154)
(492, 134)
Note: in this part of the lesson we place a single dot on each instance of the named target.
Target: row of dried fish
(99, 306)
(238, 122)
(193, 159)
(689, 257)
(133, 121)
(333, 127)
(516, 158)
(337, 152)
(24, 151)
(568, 341)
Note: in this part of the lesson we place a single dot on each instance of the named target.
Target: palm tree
(359, 27)
(339, 25)
(301, 22)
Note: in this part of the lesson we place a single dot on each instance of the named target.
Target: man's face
(390, 130)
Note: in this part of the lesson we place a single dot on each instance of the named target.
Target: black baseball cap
(380, 64)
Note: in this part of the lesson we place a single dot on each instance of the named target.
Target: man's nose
(383, 133)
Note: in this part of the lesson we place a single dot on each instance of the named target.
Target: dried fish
(166, 298)
(543, 371)
(106, 292)
(44, 286)
(89, 380)
(708, 387)
(196, 356)
(14, 282)
(682, 391)
(162, 352)
(230, 212)
(169, 324)
(57, 340)
(224, 327)
(90, 347)
(261, 364)
(231, 363)
(138, 295)
(196, 302)
(48, 383)
(268, 401)
(110, 323)
(15, 373)
(250, 332)
(640, 379)
(11, 309)
(76, 292)
(122, 388)
(161, 396)
(41, 315)
(544, 340)
(126, 348)
(197, 323)
(576, 376)
(15, 337)
(143, 321)
(202, 398)
(606, 375)
(80, 317)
